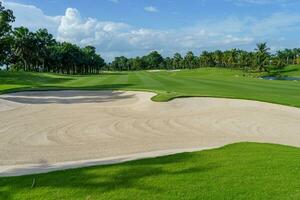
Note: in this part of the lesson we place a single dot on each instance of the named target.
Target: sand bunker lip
(49, 130)
(25, 169)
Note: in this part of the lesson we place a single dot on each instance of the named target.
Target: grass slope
(200, 82)
(238, 171)
(293, 71)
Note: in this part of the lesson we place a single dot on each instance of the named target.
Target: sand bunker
(42, 131)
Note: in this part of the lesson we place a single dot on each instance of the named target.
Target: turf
(214, 82)
(293, 70)
(238, 171)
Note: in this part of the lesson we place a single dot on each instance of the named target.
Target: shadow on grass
(282, 72)
(59, 88)
(254, 169)
(139, 175)
(31, 79)
(66, 97)
(290, 70)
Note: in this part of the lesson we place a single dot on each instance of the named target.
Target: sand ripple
(58, 126)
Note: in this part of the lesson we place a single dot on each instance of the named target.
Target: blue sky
(136, 27)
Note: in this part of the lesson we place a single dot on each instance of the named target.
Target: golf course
(149, 100)
(145, 123)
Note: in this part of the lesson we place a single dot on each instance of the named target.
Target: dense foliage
(38, 51)
(259, 60)
(21, 49)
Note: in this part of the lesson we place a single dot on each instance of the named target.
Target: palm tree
(232, 57)
(262, 56)
(190, 60)
(218, 58)
(6, 18)
(206, 59)
(296, 54)
(177, 60)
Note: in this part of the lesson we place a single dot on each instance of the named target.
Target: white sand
(45, 131)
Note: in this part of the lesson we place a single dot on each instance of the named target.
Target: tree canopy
(21, 49)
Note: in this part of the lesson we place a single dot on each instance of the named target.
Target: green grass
(238, 171)
(293, 70)
(212, 82)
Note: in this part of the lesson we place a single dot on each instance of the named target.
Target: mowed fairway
(212, 82)
(238, 171)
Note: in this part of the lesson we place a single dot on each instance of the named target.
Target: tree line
(258, 60)
(21, 49)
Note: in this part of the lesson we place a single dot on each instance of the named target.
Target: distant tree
(218, 58)
(153, 60)
(190, 61)
(6, 18)
(137, 63)
(296, 55)
(24, 47)
(278, 64)
(168, 63)
(206, 59)
(245, 60)
(91, 61)
(262, 56)
(120, 63)
(44, 42)
(177, 61)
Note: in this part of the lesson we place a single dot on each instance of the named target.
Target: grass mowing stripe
(169, 82)
(198, 82)
(148, 80)
(121, 79)
(134, 79)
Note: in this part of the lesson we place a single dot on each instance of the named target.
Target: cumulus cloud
(114, 39)
(32, 17)
(275, 22)
(114, 1)
(151, 9)
(262, 2)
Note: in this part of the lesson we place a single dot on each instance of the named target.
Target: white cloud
(262, 2)
(114, 1)
(114, 39)
(31, 16)
(151, 9)
(278, 22)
